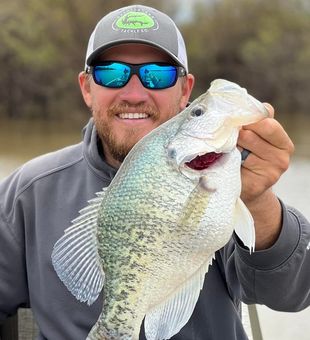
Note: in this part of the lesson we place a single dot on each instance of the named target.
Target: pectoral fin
(75, 255)
(244, 225)
(166, 320)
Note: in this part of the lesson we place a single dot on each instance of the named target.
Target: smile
(133, 115)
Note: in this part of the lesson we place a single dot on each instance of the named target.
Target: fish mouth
(202, 162)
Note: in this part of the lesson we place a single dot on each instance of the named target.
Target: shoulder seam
(45, 174)
(25, 187)
(4, 219)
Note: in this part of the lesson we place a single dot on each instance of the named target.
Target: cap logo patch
(135, 21)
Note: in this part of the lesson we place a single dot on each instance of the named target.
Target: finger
(263, 166)
(256, 181)
(270, 109)
(259, 148)
(262, 151)
(270, 131)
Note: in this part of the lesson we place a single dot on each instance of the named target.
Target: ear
(187, 88)
(84, 83)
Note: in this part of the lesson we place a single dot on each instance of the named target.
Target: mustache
(150, 110)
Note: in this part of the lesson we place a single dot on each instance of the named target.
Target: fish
(148, 239)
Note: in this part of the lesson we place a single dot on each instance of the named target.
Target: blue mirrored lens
(155, 76)
(152, 75)
(111, 75)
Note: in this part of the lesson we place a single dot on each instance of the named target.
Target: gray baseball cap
(137, 24)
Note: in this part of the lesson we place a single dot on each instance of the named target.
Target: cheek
(170, 95)
(100, 101)
(170, 104)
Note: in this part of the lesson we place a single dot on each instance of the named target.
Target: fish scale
(152, 234)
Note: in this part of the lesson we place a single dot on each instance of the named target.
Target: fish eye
(197, 111)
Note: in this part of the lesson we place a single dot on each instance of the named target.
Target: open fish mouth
(202, 162)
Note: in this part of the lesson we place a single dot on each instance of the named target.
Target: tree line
(261, 44)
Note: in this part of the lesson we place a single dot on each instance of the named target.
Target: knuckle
(284, 164)
(273, 177)
(270, 126)
(291, 147)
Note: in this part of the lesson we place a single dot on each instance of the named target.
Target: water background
(23, 140)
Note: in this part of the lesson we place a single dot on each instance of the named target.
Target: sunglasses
(155, 76)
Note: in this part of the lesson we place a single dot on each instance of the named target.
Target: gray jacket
(38, 201)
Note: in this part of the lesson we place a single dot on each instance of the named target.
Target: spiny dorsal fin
(75, 255)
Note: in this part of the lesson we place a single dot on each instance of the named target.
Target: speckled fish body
(149, 238)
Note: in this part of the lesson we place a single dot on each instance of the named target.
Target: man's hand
(271, 149)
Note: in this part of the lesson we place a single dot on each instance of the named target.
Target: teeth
(138, 115)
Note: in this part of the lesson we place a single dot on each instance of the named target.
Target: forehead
(135, 53)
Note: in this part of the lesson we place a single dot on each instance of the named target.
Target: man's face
(123, 116)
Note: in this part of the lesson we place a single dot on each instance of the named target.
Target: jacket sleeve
(278, 277)
(13, 278)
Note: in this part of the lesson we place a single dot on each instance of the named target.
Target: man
(39, 200)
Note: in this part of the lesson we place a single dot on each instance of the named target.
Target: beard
(117, 146)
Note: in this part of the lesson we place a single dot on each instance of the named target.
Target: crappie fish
(149, 238)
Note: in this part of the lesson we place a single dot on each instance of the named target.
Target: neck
(109, 159)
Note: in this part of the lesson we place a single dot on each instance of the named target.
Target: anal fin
(166, 320)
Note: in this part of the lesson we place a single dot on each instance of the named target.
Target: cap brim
(96, 54)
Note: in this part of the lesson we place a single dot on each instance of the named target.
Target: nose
(134, 92)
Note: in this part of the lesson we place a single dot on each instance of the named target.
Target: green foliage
(263, 45)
